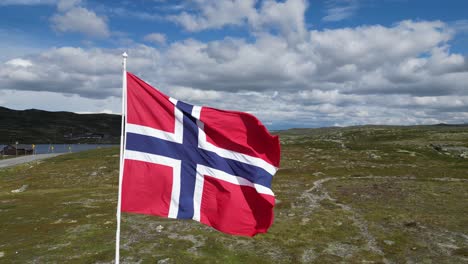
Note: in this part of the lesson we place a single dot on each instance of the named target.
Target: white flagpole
(122, 148)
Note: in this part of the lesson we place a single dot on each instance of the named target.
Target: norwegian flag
(190, 162)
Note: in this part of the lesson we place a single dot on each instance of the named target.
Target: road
(24, 159)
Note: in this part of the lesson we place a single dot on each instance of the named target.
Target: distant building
(19, 149)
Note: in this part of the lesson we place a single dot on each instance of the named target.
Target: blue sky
(292, 63)
(32, 19)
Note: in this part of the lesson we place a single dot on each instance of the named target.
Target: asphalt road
(24, 159)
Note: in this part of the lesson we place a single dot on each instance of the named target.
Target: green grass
(386, 196)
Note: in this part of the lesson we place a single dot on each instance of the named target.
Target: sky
(292, 63)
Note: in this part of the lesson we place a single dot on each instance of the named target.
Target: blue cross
(190, 155)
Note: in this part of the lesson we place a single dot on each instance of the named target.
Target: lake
(65, 148)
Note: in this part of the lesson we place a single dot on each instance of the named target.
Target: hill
(345, 195)
(42, 127)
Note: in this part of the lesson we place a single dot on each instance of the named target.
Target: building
(19, 149)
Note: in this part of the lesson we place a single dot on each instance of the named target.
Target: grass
(352, 195)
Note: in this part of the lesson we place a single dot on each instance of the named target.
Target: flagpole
(122, 148)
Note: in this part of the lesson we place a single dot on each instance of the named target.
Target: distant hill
(34, 126)
(42, 127)
(327, 130)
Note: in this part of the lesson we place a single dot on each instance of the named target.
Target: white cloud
(66, 70)
(401, 74)
(64, 5)
(216, 14)
(338, 10)
(287, 16)
(370, 46)
(19, 63)
(91, 73)
(52, 101)
(82, 20)
(156, 38)
(72, 17)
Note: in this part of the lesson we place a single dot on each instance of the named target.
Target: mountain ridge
(34, 126)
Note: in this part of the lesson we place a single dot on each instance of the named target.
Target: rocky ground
(349, 195)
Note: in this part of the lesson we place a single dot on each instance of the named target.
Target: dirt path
(318, 193)
(24, 159)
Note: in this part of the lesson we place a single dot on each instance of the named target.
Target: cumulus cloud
(409, 57)
(91, 73)
(287, 75)
(71, 17)
(215, 14)
(18, 63)
(287, 16)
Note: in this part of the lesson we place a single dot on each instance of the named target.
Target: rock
(61, 221)
(291, 214)
(159, 228)
(411, 153)
(464, 155)
(411, 224)
(94, 173)
(164, 261)
(102, 168)
(20, 190)
(374, 156)
(436, 147)
(389, 242)
(318, 173)
(2, 254)
(305, 220)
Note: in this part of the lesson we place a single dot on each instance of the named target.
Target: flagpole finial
(124, 61)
